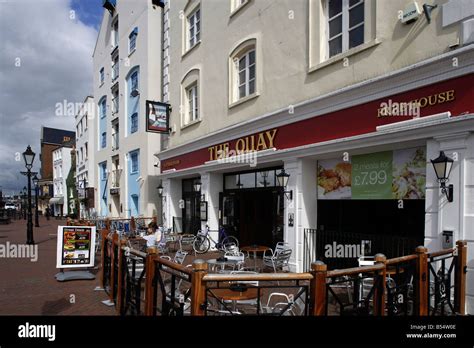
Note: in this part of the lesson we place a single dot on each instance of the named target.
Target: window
(246, 74)
(103, 108)
(115, 68)
(134, 163)
(104, 171)
(104, 140)
(132, 40)
(115, 35)
(134, 81)
(115, 100)
(85, 121)
(194, 28)
(101, 75)
(192, 98)
(345, 25)
(86, 151)
(134, 123)
(115, 136)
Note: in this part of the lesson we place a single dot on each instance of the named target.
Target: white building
(61, 168)
(85, 155)
(127, 58)
(304, 86)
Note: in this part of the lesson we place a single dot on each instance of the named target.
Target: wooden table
(255, 249)
(227, 294)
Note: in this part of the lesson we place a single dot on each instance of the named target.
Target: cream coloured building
(319, 89)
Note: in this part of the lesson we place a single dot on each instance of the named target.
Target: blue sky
(88, 12)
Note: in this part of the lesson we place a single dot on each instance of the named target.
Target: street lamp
(23, 202)
(282, 178)
(160, 190)
(29, 157)
(35, 182)
(442, 167)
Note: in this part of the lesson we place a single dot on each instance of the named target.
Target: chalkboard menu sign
(76, 246)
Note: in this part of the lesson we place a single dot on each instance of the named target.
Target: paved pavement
(29, 288)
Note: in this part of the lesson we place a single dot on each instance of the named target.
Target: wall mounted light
(442, 167)
(282, 178)
(160, 190)
(197, 186)
(427, 10)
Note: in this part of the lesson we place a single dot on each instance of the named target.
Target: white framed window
(115, 34)
(345, 25)
(246, 77)
(132, 40)
(194, 28)
(101, 75)
(192, 103)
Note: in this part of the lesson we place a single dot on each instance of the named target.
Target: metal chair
(279, 258)
(239, 257)
(293, 307)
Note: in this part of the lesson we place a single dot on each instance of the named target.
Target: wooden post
(150, 290)
(120, 278)
(379, 292)
(107, 224)
(112, 267)
(103, 243)
(460, 285)
(318, 292)
(132, 224)
(421, 288)
(198, 287)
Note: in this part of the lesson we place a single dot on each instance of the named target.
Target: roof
(56, 136)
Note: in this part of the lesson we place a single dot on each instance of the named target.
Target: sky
(46, 51)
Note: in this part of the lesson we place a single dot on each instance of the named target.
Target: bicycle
(202, 241)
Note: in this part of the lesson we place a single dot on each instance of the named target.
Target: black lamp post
(29, 157)
(442, 167)
(23, 202)
(84, 197)
(282, 178)
(35, 182)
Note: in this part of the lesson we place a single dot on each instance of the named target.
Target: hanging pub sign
(399, 174)
(157, 117)
(75, 247)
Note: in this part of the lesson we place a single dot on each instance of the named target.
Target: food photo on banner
(398, 174)
(157, 115)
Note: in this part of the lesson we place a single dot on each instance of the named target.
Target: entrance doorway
(192, 201)
(252, 210)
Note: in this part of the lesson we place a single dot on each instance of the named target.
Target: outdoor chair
(239, 257)
(290, 307)
(279, 258)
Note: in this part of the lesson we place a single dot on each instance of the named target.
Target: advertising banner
(399, 174)
(372, 176)
(75, 247)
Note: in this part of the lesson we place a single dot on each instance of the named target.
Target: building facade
(127, 73)
(62, 160)
(85, 157)
(51, 138)
(342, 98)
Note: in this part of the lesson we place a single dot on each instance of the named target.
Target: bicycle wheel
(229, 241)
(201, 245)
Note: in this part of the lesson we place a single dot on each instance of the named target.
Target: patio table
(255, 249)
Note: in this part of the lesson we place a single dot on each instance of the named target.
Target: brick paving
(29, 288)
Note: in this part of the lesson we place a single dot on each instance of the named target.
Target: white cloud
(55, 55)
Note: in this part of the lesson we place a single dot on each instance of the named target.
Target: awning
(56, 200)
